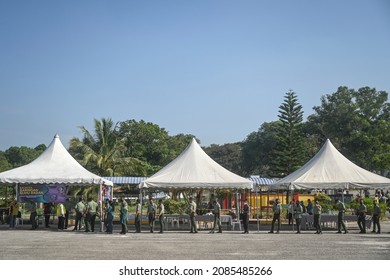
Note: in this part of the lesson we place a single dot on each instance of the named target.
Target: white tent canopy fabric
(54, 165)
(329, 169)
(194, 169)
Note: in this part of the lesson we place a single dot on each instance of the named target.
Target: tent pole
(16, 191)
(292, 199)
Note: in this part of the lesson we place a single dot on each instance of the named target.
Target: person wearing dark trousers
(33, 216)
(340, 218)
(138, 213)
(151, 214)
(80, 209)
(110, 209)
(68, 209)
(245, 216)
(362, 211)
(90, 219)
(60, 210)
(376, 217)
(277, 209)
(47, 212)
(217, 216)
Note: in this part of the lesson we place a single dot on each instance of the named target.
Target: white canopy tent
(54, 165)
(329, 169)
(194, 169)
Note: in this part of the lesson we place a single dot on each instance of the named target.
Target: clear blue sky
(215, 69)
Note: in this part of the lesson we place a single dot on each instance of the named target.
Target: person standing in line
(362, 211)
(161, 215)
(68, 209)
(376, 218)
(13, 213)
(309, 207)
(317, 209)
(47, 212)
(151, 214)
(298, 210)
(138, 215)
(60, 210)
(123, 215)
(217, 216)
(110, 216)
(192, 212)
(277, 209)
(33, 216)
(290, 211)
(245, 216)
(340, 218)
(80, 209)
(92, 208)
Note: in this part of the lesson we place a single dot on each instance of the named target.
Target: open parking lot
(50, 244)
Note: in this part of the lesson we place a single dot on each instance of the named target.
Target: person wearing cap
(298, 210)
(245, 216)
(317, 210)
(151, 214)
(340, 218)
(192, 212)
(277, 209)
(217, 216)
(362, 211)
(376, 217)
(80, 209)
(161, 215)
(138, 213)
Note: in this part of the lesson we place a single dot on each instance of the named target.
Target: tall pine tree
(288, 154)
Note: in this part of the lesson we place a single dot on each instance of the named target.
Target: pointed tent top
(54, 165)
(193, 168)
(329, 169)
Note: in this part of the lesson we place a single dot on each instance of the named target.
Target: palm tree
(103, 151)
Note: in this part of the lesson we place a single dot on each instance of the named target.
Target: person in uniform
(376, 217)
(317, 210)
(90, 215)
(151, 214)
(362, 211)
(245, 216)
(60, 209)
(161, 215)
(47, 212)
(123, 215)
(217, 216)
(192, 213)
(298, 210)
(340, 218)
(138, 213)
(277, 209)
(80, 209)
(110, 216)
(33, 216)
(290, 211)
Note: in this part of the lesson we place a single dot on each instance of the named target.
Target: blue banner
(53, 193)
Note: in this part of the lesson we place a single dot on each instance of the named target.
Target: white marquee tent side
(194, 169)
(54, 165)
(329, 169)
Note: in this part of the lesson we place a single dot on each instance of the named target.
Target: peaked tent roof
(193, 168)
(54, 165)
(329, 169)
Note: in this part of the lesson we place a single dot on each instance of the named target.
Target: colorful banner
(53, 193)
(106, 193)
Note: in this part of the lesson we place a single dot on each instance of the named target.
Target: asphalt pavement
(51, 244)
